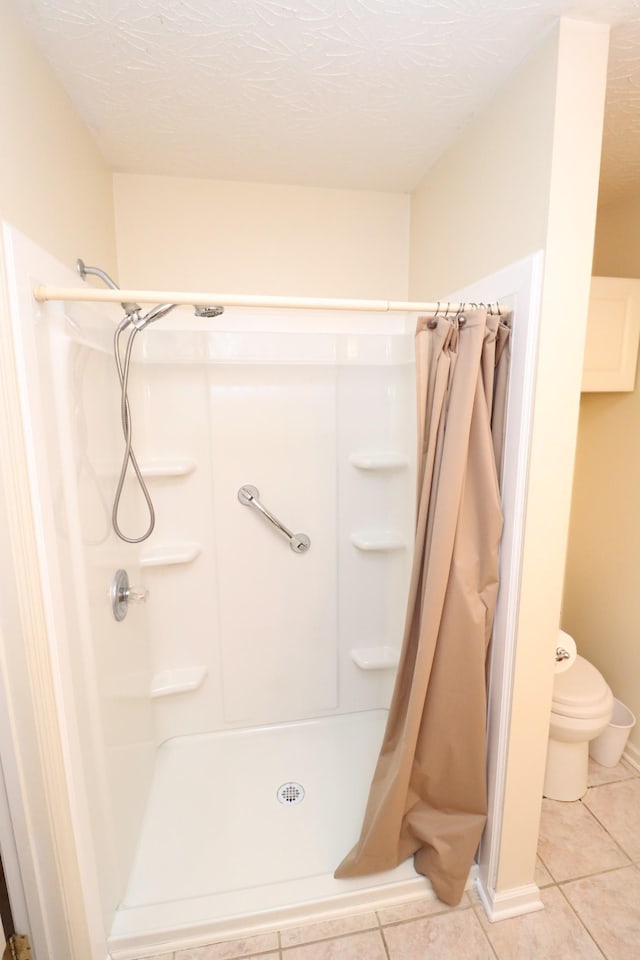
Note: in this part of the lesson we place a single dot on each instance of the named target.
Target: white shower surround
(125, 721)
(285, 403)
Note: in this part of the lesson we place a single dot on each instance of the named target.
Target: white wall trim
(508, 903)
(632, 756)
(521, 285)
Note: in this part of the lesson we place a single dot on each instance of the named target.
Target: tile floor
(588, 871)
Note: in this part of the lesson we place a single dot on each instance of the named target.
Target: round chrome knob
(122, 594)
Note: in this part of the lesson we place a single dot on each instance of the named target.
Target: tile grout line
(581, 921)
(597, 873)
(308, 943)
(546, 866)
(601, 824)
(385, 945)
(485, 933)
(424, 916)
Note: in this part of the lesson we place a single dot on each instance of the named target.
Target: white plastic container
(607, 748)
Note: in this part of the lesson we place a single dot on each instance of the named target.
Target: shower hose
(122, 367)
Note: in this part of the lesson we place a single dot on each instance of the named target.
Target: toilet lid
(580, 691)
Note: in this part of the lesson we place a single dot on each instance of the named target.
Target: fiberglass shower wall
(70, 402)
(317, 412)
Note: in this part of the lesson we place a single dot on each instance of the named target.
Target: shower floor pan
(243, 830)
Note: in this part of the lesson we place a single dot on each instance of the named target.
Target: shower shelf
(168, 554)
(180, 680)
(378, 541)
(153, 468)
(375, 658)
(378, 461)
(169, 467)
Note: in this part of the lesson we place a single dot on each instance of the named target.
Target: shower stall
(223, 719)
(228, 726)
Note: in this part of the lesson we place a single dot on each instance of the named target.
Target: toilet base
(567, 770)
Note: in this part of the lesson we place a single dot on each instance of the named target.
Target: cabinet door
(613, 329)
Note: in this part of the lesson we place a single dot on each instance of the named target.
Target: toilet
(581, 709)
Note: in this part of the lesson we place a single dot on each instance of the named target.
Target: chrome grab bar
(249, 496)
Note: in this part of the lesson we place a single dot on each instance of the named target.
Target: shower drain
(290, 794)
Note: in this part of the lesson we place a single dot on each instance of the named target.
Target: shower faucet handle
(137, 595)
(122, 594)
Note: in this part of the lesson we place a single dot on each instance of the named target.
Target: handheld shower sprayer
(135, 319)
(133, 310)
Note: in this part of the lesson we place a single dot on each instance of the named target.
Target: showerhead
(208, 311)
(84, 271)
(133, 311)
(163, 309)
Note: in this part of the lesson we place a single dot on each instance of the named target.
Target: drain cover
(290, 794)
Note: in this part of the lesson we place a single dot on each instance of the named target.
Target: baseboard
(509, 903)
(632, 756)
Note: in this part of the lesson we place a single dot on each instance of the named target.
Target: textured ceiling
(343, 93)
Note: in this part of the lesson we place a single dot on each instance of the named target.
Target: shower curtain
(428, 794)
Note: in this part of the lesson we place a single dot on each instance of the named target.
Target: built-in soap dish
(152, 468)
(375, 658)
(379, 461)
(167, 554)
(378, 541)
(168, 467)
(167, 683)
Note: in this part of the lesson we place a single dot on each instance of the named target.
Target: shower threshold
(243, 830)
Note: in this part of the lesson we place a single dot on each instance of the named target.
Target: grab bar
(249, 496)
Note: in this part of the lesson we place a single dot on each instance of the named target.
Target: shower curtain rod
(43, 293)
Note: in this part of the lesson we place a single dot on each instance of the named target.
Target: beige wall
(54, 186)
(224, 237)
(602, 601)
(510, 186)
(463, 225)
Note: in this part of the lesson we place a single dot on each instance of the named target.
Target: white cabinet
(613, 330)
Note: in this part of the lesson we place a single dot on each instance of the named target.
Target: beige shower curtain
(428, 795)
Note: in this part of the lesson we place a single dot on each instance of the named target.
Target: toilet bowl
(581, 709)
